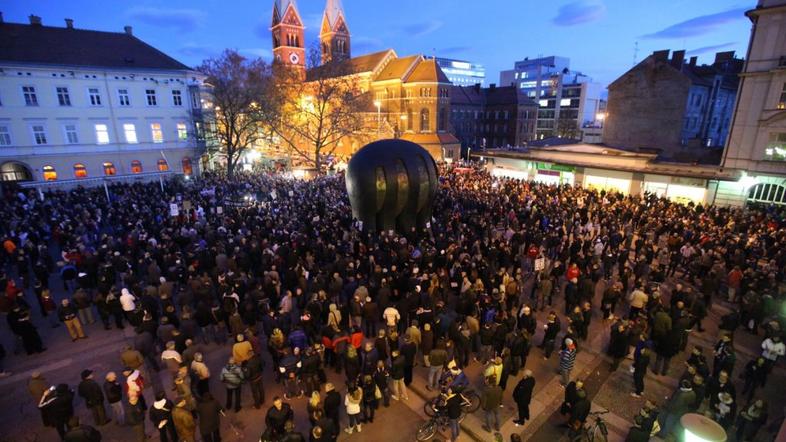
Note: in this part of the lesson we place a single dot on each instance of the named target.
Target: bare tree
(567, 128)
(240, 87)
(316, 115)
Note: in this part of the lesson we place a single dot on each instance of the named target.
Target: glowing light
(600, 116)
(747, 181)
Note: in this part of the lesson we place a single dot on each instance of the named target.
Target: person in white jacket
(771, 349)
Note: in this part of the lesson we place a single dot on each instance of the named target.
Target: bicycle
(594, 430)
(469, 404)
(439, 422)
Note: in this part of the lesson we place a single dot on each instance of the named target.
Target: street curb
(465, 429)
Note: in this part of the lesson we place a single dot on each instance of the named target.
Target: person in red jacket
(573, 272)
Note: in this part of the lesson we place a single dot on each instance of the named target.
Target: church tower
(334, 33)
(288, 35)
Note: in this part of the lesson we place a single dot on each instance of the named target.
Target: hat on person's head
(568, 341)
(86, 373)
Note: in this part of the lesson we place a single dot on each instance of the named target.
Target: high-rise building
(80, 104)
(568, 100)
(757, 141)
(462, 73)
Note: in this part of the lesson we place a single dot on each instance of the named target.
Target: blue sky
(599, 36)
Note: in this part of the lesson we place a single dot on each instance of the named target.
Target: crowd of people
(277, 269)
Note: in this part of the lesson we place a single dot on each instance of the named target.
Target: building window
(196, 102)
(767, 193)
(442, 120)
(63, 97)
(136, 166)
(150, 94)
(5, 136)
(186, 165)
(782, 100)
(129, 129)
(31, 99)
(776, 147)
(102, 134)
(177, 97)
(162, 165)
(157, 133)
(50, 174)
(95, 96)
(424, 120)
(80, 171)
(182, 132)
(123, 98)
(410, 119)
(109, 169)
(39, 134)
(71, 136)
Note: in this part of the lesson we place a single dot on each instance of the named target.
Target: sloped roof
(397, 68)
(280, 8)
(355, 65)
(79, 47)
(501, 95)
(466, 95)
(428, 71)
(334, 10)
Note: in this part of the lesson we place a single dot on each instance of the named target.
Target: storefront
(608, 180)
(678, 189)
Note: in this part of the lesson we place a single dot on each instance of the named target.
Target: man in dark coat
(522, 394)
(277, 417)
(580, 410)
(57, 407)
(636, 432)
(161, 416)
(209, 412)
(91, 392)
(333, 405)
(640, 370)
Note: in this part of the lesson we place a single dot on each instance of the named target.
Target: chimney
(69, 23)
(723, 56)
(693, 60)
(677, 59)
(35, 20)
(493, 86)
(129, 30)
(661, 55)
(1, 17)
(477, 87)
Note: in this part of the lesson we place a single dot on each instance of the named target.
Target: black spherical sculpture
(392, 185)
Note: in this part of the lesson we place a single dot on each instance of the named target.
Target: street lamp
(378, 104)
(699, 428)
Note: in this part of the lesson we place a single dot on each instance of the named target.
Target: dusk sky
(598, 36)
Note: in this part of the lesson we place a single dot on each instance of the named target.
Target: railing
(90, 182)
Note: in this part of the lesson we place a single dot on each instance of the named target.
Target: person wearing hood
(161, 416)
(128, 303)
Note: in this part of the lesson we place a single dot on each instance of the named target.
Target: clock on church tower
(288, 34)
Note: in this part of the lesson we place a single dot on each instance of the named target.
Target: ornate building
(411, 95)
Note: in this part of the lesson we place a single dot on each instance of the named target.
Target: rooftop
(38, 44)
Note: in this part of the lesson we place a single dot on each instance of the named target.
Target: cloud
(711, 49)
(700, 25)
(256, 52)
(195, 50)
(451, 50)
(579, 12)
(421, 28)
(183, 20)
(362, 44)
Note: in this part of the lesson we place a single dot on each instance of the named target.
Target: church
(411, 94)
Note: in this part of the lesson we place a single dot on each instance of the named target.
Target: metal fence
(100, 181)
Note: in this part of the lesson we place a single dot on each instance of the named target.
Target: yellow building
(411, 95)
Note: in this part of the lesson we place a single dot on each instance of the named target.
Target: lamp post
(378, 104)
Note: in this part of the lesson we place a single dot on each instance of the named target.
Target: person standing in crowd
(567, 359)
(136, 418)
(114, 395)
(91, 392)
(68, 315)
(57, 407)
(209, 412)
(490, 400)
(276, 418)
(184, 422)
(81, 433)
(352, 402)
(453, 405)
(232, 377)
(640, 365)
(161, 417)
(522, 395)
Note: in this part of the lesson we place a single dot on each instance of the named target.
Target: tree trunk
(230, 165)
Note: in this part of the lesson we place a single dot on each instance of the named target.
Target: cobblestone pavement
(64, 360)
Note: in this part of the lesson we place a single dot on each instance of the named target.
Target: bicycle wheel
(426, 431)
(428, 408)
(474, 402)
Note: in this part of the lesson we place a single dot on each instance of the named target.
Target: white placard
(173, 209)
(540, 264)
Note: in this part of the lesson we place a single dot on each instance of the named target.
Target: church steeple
(334, 33)
(288, 34)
